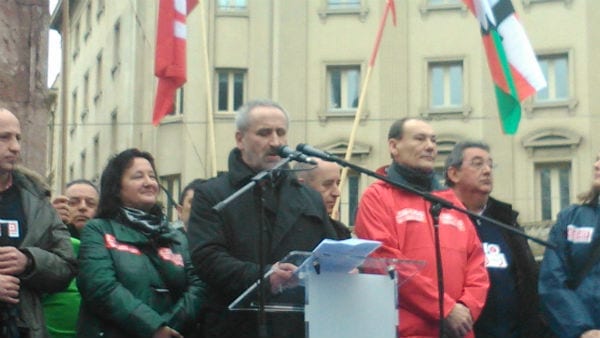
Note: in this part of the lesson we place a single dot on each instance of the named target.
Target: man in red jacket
(402, 222)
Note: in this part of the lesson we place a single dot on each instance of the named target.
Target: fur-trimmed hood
(31, 181)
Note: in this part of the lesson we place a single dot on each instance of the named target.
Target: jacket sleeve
(376, 221)
(476, 276)
(102, 293)
(566, 313)
(186, 311)
(53, 259)
(210, 251)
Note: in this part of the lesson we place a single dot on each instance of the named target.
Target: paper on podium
(333, 256)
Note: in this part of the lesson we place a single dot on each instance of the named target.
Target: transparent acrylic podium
(341, 296)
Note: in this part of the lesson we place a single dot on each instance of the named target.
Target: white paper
(339, 256)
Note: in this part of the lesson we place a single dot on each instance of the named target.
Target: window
(446, 84)
(343, 88)
(528, 3)
(553, 188)
(172, 185)
(98, 78)
(445, 144)
(96, 157)
(230, 91)
(232, 5)
(114, 128)
(86, 93)
(100, 8)
(443, 2)
(177, 103)
(83, 164)
(556, 71)
(88, 21)
(116, 47)
(343, 7)
(441, 5)
(73, 110)
(337, 4)
(75, 39)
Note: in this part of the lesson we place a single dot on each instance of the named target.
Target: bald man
(324, 178)
(36, 255)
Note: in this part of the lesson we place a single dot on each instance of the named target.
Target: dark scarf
(415, 178)
(147, 223)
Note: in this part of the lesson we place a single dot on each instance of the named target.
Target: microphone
(285, 151)
(311, 151)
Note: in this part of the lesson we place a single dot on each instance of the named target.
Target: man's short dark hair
(193, 185)
(397, 128)
(457, 156)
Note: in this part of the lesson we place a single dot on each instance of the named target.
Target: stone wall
(23, 73)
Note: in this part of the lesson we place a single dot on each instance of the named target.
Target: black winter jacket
(224, 246)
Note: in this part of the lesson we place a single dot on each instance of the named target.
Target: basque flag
(514, 67)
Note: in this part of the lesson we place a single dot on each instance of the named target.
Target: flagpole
(209, 104)
(361, 100)
(64, 75)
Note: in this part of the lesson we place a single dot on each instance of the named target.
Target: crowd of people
(104, 261)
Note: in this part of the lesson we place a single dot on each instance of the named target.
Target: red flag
(170, 64)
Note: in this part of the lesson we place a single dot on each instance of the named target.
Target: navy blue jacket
(571, 312)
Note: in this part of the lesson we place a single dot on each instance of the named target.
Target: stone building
(23, 72)
(312, 56)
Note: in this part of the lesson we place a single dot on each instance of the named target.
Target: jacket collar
(286, 186)
(500, 211)
(414, 178)
(127, 234)
(240, 173)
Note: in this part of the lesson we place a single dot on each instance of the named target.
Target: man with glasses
(511, 308)
(402, 222)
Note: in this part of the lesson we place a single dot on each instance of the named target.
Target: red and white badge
(11, 226)
(494, 258)
(579, 234)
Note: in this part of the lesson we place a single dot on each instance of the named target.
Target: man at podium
(402, 222)
(224, 246)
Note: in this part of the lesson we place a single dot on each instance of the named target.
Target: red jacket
(401, 221)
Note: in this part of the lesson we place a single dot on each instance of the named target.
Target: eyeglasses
(479, 163)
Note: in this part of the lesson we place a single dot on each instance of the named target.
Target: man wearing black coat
(512, 306)
(224, 246)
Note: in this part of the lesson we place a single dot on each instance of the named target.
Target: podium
(340, 295)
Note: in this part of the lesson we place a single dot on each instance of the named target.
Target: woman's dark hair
(110, 182)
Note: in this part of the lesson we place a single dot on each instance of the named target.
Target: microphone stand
(437, 204)
(426, 195)
(435, 211)
(259, 189)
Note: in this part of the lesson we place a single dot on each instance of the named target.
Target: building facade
(23, 72)
(312, 56)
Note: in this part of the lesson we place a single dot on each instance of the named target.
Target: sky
(54, 54)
